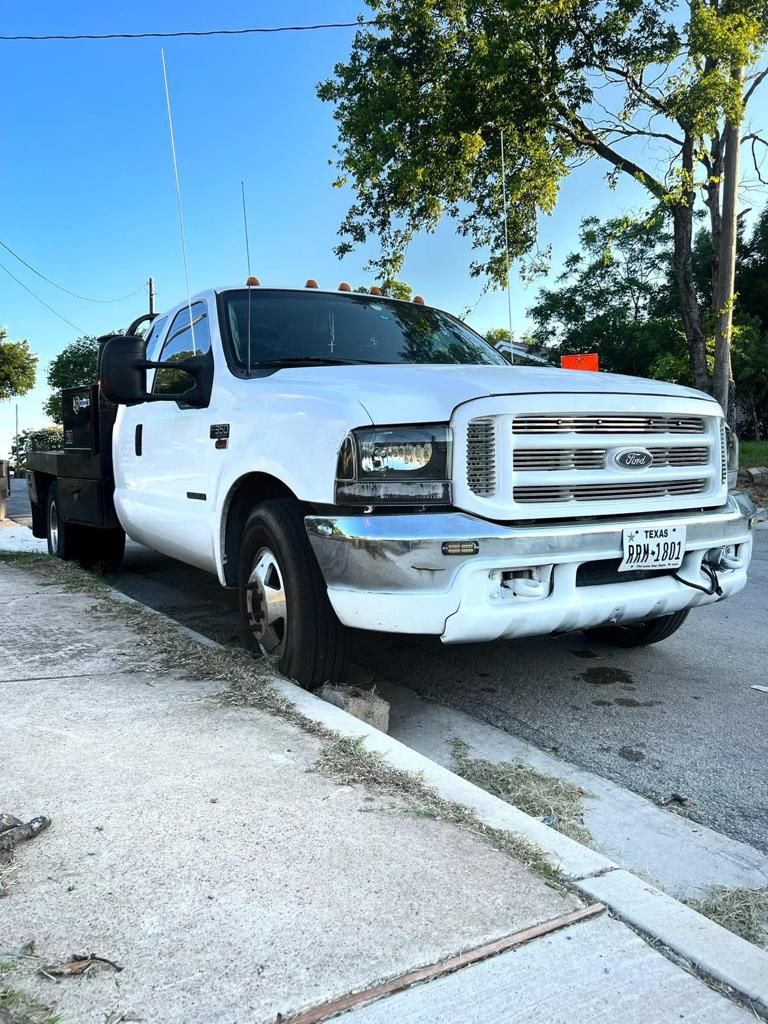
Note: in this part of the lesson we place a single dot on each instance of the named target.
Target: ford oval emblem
(633, 458)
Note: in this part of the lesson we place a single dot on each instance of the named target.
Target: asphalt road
(679, 717)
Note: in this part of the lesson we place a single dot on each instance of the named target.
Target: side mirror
(123, 368)
(186, 379)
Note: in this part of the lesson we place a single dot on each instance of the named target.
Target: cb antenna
(250, 279)
(506, 245)
(178, 198)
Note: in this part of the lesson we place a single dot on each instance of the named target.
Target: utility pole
(151, 295)
(16, 466)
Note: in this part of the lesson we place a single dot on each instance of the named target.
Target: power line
(176, 35)
(84, 298)
(41, 301)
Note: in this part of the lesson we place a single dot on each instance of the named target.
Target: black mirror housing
(123, 368)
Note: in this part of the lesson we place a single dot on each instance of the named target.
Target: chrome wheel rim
(267, 605)
(53, 526)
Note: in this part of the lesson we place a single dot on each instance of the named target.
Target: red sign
(586, 361)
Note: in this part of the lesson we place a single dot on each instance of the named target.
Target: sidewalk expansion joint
(325, 1011)
(73, 675)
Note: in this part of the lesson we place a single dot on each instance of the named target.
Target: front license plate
(653, 547)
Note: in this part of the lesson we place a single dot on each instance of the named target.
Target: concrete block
(758, 474)
(364, 704)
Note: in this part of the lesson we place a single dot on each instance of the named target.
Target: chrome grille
(608, 491)
(540, 423)
(481, 457)
(698, 456)
(543, 459)
(723, 455)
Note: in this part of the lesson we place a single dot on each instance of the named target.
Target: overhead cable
(84, 298)
(41, 301)
(187, 33)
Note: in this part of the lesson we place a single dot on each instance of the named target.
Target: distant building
(520, 353)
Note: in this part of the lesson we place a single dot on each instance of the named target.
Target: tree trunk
(715, 218)
(688, 300)
(724, 297)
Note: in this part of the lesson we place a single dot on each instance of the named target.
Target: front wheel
(284, 606)
(639, 634)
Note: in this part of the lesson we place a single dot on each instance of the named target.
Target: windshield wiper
(310, 361)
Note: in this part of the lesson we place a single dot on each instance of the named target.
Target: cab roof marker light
(311, 283)
(419, 300)
(374, 290)
(344, 287)
(252, 282)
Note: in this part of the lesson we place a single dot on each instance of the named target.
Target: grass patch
(55, 572)
(7, 868)
(541, 796)
(20, 1008)
(742, 911)
(753, 453)
(248, 685)
(348, 762)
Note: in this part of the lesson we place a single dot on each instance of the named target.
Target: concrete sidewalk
(196, 845)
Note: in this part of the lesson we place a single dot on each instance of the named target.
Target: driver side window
(185, 338)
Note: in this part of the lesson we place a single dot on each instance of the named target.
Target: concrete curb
(715, 951)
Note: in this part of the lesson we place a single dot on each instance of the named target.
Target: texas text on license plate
(653, 547)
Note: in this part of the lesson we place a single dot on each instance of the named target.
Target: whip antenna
(506, 245)
(178, 198)
(250, 280)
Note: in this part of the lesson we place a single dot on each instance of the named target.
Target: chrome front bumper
(390, 572)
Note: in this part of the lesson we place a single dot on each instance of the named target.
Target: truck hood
(418, 393)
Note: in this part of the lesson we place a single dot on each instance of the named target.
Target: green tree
(44, 439)
(750, 371)
(750, 317)
(17, 367)
(75, 366)
(392, 288)
(423, 99)
(616, 297)
(752, 274)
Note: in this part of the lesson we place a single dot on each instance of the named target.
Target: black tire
(61, 535)
(284, 606)
(639, 634)
(101, 549)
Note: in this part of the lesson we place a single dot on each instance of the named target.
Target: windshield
(315, 327)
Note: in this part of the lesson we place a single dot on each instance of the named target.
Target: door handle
(138, 438)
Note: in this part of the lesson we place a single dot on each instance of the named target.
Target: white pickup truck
(350, 460)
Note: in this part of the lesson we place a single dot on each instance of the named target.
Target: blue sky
(86, 179)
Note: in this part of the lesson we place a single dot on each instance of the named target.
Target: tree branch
(580, 133)
(755, 139)
(631, 132)
(639, 88)
(755, 83)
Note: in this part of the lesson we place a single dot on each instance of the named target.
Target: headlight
(732, 455)
(405, 465)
